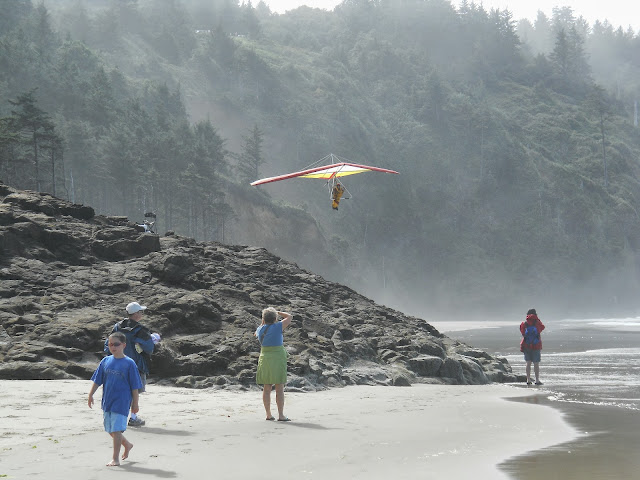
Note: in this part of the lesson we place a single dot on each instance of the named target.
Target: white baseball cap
(134, 307)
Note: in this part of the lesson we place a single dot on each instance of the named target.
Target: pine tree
(560, 57)
(251, 157)
(569, 59)
(8, 141)
(35, 128)
(598, 103)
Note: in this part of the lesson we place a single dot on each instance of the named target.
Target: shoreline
(605, 446)
(422, 431)
(584, 381)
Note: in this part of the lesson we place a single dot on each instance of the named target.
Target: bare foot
(127, 448)
(113, 463)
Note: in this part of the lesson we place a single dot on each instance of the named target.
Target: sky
(618, 12)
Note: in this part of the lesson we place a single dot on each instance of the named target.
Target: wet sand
(608, 436)
(606, 448)
(423, 431)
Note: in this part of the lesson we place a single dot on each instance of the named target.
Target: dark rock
(452, 369)
(400, 380)
(47, 204)
(472, 370)
(66, 275)
(472, 352)
(425, 365)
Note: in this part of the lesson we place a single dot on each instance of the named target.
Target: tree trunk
(604, 155)
(35, 159)
(53, 171)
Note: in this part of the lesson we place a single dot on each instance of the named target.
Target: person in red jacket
(531, 344)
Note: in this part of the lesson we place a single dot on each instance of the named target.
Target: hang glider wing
(327, 172)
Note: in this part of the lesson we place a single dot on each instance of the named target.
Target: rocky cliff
(66, 275)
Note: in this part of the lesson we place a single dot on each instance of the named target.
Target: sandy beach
(423, 431)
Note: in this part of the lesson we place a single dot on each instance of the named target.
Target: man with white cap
(140, 345)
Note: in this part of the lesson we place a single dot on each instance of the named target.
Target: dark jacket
(135, 333)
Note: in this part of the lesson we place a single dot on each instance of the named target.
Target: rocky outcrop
(66, 275)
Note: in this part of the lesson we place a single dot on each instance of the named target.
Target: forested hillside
(517, 142)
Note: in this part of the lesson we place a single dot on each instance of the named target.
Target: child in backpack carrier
(531, 344)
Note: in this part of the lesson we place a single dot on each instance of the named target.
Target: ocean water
(588, 361)
(590, 369)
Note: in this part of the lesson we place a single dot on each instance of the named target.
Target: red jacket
(531, 320)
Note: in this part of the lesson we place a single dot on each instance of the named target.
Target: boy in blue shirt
(140, 346)
(120, 380)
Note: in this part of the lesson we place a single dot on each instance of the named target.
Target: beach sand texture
(423, 431)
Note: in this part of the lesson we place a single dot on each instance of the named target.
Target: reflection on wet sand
(590, 373)
(607, 449)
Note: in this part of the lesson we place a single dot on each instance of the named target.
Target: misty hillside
(516, 142)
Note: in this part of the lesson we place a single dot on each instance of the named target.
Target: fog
(492, 213)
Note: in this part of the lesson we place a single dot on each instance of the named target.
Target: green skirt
(272, 366)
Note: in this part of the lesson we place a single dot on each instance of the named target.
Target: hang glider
(326, 172)
(331, 173)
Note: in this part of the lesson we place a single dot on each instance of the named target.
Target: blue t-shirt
(273, 337)
(135, 333)
(118, 376)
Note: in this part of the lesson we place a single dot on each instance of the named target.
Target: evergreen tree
(221, 48)
(561, 55)
(580, 64)
(251, 157)
(569, 60)
(562, 18)
(78, 23)
(250, 20)
(208, 163)
(9, 139)
(599, 104)
(544, 39)
(54, 144)
(35, 128)
(44, 39)
(100, 102)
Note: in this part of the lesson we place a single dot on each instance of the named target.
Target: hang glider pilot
(336, 195)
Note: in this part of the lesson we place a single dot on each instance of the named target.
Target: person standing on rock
(121, 383)
(531, 344)
(140, 345)
(272, 364)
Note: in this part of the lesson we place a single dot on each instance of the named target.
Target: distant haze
(618, 12)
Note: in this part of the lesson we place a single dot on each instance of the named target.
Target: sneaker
(529, 382)
(136, 422)
(538, 382)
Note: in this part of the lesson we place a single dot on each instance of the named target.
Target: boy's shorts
(115, 422)
(531, 355)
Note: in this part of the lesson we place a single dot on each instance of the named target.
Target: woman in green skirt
(272, 364)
